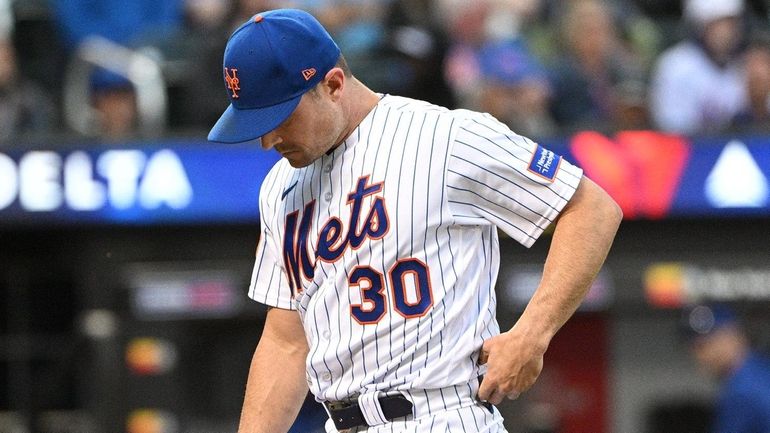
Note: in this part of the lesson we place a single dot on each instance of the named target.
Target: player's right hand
(512, 367)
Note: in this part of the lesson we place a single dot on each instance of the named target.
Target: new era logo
(308, 73)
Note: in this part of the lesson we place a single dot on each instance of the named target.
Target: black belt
(348, 415)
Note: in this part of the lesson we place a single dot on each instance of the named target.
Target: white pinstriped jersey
(388, 248)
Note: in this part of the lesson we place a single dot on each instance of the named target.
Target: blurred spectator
(596, 82)
(356, 25)
(721, 349)
(245, 9)
(506, 18)
(756, 116)
(24, 107)
(193, 64)
(465, 23)
(524, 20)
(114, 101)
(697, 85)
(358, 28)
(515, 89)
(132, 31)
(124, 22)
(6, 19)
(415, 48)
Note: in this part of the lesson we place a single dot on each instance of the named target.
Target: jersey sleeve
(497, 177)
(269, 283)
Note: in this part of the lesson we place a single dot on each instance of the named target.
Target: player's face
(312, 129)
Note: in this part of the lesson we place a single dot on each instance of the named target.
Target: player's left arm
(581, 240)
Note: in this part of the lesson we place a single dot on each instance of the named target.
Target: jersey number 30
(409, 288)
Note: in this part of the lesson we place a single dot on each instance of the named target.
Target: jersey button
(328, 169)
(326, 377)
(328, 196)
(326, 334)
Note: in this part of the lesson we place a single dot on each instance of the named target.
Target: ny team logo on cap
(232, 80)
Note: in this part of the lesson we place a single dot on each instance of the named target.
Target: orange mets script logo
(231, 77)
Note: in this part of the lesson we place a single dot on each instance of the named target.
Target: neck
(359, 102)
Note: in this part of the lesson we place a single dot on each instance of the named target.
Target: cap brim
(236, 125)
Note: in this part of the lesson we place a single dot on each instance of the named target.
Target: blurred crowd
(117, 70)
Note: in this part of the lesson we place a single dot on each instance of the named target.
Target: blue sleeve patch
(544, 163)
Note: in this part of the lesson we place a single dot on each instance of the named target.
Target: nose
(269, 140)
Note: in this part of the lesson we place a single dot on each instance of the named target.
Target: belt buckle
(337, 405)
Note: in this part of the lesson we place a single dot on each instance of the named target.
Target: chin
(298, 163)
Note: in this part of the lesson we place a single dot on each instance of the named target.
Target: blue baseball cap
(270, 62)
(509, 63)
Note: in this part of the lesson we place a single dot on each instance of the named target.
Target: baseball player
(378, 249)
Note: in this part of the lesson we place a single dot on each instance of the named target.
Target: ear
(334, 83)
